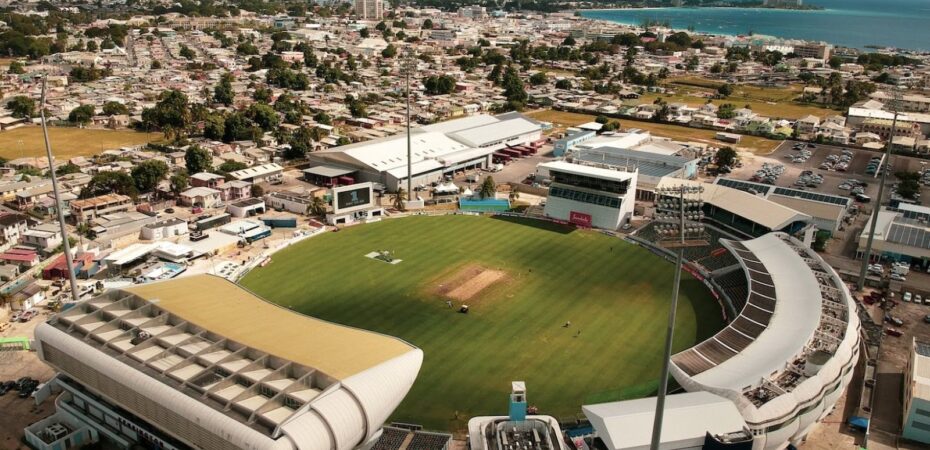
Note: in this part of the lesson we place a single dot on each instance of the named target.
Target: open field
(562, 120)
(25, 142)
(768, 101)
(614, 294)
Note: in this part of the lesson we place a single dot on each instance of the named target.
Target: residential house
(45, 237)
(86, 210)
(202, 197)
(12, 227)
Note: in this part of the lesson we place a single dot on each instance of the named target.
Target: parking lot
(18, 412)
(855, 169)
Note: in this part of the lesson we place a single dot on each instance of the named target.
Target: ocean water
(850, 23)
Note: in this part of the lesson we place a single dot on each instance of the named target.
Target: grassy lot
(562, 120)
(768, 101)
(615, 295)
(68, 142)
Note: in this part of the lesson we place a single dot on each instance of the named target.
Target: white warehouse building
(439, 149)
(200, 362)
(589, 194)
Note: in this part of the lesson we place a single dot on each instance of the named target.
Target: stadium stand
(787, 356)
(391, 439)
(411, 437)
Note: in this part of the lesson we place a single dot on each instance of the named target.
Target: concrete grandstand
(789, 354)
(237, 372)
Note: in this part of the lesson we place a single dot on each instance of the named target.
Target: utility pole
(863, 269)
(59, 205)
(678, 226)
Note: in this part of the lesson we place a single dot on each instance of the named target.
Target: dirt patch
(468, 282)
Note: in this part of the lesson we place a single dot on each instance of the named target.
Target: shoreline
(866, 48)
(748, 8)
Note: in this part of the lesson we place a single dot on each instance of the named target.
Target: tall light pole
(59, 205)
(408, 66)
(881, 192)
(678, 215)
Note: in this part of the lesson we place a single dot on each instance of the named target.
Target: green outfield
(523, 280)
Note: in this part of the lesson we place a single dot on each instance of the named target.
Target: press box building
(590, 195)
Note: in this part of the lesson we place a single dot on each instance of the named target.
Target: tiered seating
(391, 439)
(429, 441)
(735, 287)
(713, 256)
(755, 301)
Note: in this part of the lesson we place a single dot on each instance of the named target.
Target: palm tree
(317, 207)
(514, 195)
(399, 199)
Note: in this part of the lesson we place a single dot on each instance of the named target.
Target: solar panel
(815, 196)
(923, 349)
(745, 186)
(910, 236)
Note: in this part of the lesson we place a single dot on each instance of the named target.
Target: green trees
(569, 41)
(389, 52)
(197, 160)
(223, 92)
(317, 207)
(323, 118)
(438, 85)
(22, 106)
(186, 52)
(80, 74)
(909, 185)
(726, 156)
(726, 111)
(147, 174)
(179, 183)
(301, 142)
(399, 199)
(725, 90)
(563, 84)
(488, 188)
(262, 94)
(263, 115)
(214, 127)
(81, 115)
(287, 79)
(171, 114)
(108, 183)
(428, 24)
(17, 67)
(513, 89)
(238, 127)
(356, 107)
(231, 166)
(539, 78)
(114, 109)
(247, 49)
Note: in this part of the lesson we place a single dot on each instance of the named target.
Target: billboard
(580, 219)
(352, 197)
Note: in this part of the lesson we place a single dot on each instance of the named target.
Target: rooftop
(226, 309)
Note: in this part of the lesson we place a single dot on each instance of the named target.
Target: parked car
(927, 318)
(907, 296)
(897, 277)
(888, 331)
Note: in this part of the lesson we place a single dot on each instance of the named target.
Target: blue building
(570, 140)
(917, 395)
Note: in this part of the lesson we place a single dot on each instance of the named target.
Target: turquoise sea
(851, 23)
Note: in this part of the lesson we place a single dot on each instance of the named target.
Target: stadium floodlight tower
(896, 97)
(409, 65)
(679, 212)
